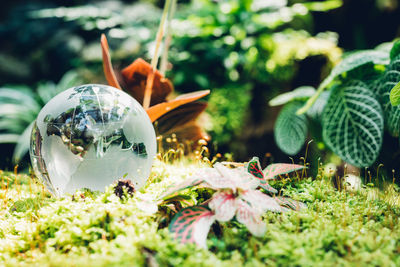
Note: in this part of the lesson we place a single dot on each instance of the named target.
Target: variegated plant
(355, 109)
(235, 196)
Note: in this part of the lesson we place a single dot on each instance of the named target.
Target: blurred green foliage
(19, 107)
(244, 51)
(235, 46)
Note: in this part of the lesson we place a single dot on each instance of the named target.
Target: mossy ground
(98, 229)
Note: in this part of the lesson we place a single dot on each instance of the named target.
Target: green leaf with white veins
(290, 129)
(386, 84)
(350, 62)
(395, 51)
(352, 124)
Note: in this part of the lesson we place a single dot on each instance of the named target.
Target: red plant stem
(154, 61)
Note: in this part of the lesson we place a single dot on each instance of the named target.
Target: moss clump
(337, 228)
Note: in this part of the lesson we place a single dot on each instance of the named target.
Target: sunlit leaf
(274, 170)
(395, 95)
(323, 6)
(192, 224)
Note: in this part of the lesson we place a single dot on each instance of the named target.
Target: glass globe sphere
(89, 136)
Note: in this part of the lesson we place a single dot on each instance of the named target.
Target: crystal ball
(89, 136)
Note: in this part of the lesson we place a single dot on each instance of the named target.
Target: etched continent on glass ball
(89, 136)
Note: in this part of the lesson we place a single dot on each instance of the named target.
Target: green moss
(99, 229)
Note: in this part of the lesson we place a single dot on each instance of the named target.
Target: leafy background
(246, 52)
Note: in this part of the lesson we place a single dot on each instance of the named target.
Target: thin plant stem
(168, 39)
(154, 61)
(16, 178)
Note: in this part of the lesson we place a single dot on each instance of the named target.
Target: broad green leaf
(274, 170)
(315, 112)
(386, 84)
(291, 129)
(352, 124)
(395, 51)
(254, 168)
(350, 62)
(395, 95)
(192, 224)
(301, 93)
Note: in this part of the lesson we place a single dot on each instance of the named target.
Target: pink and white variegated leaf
(223, 205)
(190, 182)
(215, 180)
(254, 167)
(192, 224)
(264, 185)
(238, 177)
(290, 203)
(260, 201)
(251, 218)
(274, 170)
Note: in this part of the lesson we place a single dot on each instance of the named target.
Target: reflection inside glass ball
(89, 136)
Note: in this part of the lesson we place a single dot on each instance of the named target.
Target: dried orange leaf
(157, 111)
(135, 77)
(107, 65)
(189, 132)
(179, 117)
